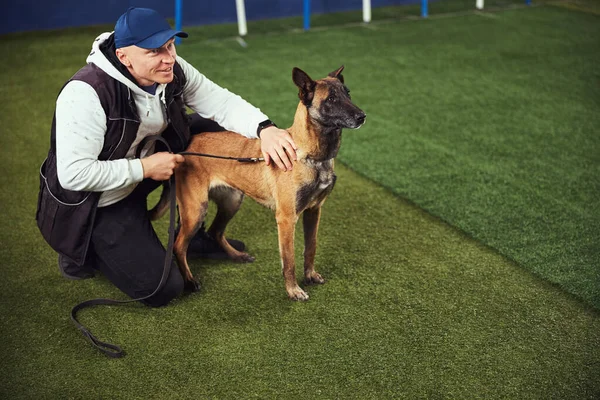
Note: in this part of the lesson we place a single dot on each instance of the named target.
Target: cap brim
(158, 39)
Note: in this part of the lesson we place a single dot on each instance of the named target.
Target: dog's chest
(325, 177)
(314, 191)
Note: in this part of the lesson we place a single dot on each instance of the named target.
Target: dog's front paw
(192, 285)
(297, 294)
(313, 278)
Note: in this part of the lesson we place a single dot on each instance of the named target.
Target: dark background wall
(28, 15)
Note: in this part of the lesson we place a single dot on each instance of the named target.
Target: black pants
(125, 248)
(199, 125)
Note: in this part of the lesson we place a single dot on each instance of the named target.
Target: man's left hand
(278, 146)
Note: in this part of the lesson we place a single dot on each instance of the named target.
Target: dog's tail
(163, 203)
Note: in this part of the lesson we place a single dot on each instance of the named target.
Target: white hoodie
(81, 126)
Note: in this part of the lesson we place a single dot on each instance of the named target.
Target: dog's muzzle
(359, 120)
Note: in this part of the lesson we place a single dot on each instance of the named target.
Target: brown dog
(325, 108)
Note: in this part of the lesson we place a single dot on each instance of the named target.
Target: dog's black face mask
(337, 109)
(328, 100)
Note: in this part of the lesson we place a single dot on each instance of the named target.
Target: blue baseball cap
(145, 28)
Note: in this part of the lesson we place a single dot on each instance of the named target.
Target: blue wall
(28, 15)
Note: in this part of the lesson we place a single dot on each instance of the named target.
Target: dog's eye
(331, 99)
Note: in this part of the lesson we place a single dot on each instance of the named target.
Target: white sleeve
(80, 130)
(214, 102)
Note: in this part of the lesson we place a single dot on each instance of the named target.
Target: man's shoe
(203, 245)
(70, 270)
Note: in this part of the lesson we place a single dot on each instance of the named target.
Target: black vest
(65, 217)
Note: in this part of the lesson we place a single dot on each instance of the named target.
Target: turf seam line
(570, 5)
(580, 299)
(486, 14)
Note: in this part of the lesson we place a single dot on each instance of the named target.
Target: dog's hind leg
(228, 202)
(310, 220)
(193, 205)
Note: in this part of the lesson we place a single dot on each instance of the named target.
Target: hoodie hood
(110, 64)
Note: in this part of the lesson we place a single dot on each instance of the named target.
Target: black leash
(240, 159)
(113, 350)
(109, 349)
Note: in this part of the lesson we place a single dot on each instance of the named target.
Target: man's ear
(305, 84)
(122, 56)
(337, 74)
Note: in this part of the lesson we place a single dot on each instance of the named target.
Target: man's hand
(278, 146)
(160, 166)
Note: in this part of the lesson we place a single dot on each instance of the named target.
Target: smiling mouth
(166, 70)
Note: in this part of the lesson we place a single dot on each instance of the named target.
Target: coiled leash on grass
(113, 350)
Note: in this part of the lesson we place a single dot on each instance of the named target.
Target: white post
(367, 10)
(479, 4)
(241, 17)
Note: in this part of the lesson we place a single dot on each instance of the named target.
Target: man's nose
(169, 57)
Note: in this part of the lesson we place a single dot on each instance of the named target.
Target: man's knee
(172, 288)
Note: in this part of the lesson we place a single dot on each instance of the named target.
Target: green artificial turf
(497, 132)
(412, 307)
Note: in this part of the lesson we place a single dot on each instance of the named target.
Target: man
(92, 202)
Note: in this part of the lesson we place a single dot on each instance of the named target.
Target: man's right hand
(160, 166)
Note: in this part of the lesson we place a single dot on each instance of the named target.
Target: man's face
(149, 66)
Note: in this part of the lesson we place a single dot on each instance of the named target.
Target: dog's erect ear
(337, 74)
(305, 84)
